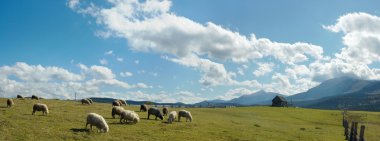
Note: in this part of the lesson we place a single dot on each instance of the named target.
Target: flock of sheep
(126, 116)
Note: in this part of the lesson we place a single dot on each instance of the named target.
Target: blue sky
(188, 51)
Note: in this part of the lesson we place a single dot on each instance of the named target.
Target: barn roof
(279, 97)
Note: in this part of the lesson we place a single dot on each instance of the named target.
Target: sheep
(85, 101)
(172, 116)
(143, 108)
(156, 112)
(116, 103)
(10, 103)
(40, 107)
(184, 113)
(90, 100)
(165, 111)
(128, 115)
(97, 120)
(117, 111)
(19, 96)
(122, 102)
(35, 97)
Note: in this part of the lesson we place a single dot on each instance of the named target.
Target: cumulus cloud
(109, 52)
(56, 82)
(263, 69)
(180, 96)
(234, 93)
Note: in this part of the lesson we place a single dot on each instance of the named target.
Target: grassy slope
(249, 123)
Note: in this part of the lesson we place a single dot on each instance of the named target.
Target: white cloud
(56, 82)
(119, 59)
(126, 74)
(137, 61)
(181, 96)
(103, 61)
(263, 69)
(234, 93)
(72, 3)
(109, 52)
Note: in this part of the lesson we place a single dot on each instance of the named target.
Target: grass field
(66, 121)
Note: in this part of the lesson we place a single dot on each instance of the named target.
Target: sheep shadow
(3, 107)
(28, 114)
(118, 123)
(80, 130)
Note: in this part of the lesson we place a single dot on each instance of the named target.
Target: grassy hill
(66, 121)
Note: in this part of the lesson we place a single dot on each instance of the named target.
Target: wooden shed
(279, 101)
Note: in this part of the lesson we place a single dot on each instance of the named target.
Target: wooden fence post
(361, 136)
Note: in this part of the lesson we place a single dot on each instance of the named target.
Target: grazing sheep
(128, 115)
(90, 100)
(156, 112)
(117, 111)
(116, 103)
(19, 96)
(97, 120)
(35, 97)
(143, 108)
(85, 101)
(184, 113)
(165, 111)
(172, 116)
(122, 102)
(40, 107)
(10, 103)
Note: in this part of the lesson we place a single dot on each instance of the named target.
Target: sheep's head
(161, 117)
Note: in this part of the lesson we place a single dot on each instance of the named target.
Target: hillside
(66, 121)
(343, 92)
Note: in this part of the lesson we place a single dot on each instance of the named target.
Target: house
(279, 101)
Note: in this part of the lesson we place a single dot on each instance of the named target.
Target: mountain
(132, 102)
(332, 87)
(260, 97)
(339, 93)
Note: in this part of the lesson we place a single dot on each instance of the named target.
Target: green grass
(66, 118)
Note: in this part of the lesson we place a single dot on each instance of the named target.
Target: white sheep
(117, 111)
(122, 102)
(10, 103)
(172, 116)
(97, 120)
(184, 113)
(90, 100)
(40, 107)
(128, 115)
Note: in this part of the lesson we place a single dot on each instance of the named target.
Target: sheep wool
(97, 120)
(128, 115)
(165, 111)
(117, 111)
(10, 103)
(184, 113)
(143, 108)
(85, 101)
(154, 111)
(172, 116)
(40, 107)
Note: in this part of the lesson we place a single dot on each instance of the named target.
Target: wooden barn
(279, 101)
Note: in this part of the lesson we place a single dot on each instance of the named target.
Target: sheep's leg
(156, 118)
(148, 116)
(179, 118)
(121, 120)
(86, 124)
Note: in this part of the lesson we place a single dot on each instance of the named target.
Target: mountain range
(337, 93)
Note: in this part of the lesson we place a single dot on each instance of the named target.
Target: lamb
(122, 102)
(40, 107)
(117, 111)
(165, 111)
(184, 113)
(35, 97)
(116, 103)
(128, 115)
(19, 96)
(97, 120)
(90, 100)
(10, 103)
(156, 112)
(172, 116)
(85, 101)
(143, 108)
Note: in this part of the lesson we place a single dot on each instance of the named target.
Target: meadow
(67, 119)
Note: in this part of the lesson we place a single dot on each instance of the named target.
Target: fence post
(352, 132)
(356, 131)
(361, 136)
